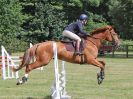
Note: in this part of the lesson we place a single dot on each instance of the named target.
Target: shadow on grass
(47, 97)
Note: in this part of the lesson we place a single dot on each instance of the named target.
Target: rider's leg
(74, 37)
(77, 48)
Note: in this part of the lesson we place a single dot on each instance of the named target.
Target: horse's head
(106, 33)
(112, 36)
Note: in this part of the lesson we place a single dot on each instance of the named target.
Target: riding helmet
(83, 17)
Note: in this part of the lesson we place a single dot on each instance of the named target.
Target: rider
(75, 31)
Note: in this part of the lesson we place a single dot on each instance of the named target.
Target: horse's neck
(96, 40)
(99, 35)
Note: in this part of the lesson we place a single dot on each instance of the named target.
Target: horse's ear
(109, 27)
(113, 27)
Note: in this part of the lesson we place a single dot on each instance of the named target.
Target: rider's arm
(81, 31)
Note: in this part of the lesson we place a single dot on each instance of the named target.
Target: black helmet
(83, 17)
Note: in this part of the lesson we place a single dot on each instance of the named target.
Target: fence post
(113, 51)
(3, 63)
(127, 51)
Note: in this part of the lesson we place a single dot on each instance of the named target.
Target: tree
(95, 21)
(11, 19)
(47, 23)
(73, 8)
(121, 13)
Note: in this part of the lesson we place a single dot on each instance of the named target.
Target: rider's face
(84, 22)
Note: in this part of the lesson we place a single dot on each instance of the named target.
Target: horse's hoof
(99, 81)
(99, 78)
(20, 82)
(17, 83)
(24, 79)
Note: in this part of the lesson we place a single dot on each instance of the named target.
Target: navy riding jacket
(77, 28)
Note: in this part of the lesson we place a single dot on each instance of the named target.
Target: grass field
(81, 82)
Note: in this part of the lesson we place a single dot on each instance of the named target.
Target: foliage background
(25, 21)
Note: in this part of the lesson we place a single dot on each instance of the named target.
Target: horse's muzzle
(116, 44)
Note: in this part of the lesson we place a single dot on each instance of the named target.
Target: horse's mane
(100, 30)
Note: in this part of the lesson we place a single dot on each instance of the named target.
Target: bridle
(114, 43)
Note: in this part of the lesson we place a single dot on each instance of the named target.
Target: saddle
(70, 44)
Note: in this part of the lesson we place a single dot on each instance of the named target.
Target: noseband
(114, 43)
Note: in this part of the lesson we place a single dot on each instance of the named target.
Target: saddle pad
(70, 47)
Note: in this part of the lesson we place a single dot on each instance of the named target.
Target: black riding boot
(77, 48)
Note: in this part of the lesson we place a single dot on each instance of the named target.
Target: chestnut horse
(43, 52)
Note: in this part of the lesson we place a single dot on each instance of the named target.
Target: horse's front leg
(101, 64)
(101, 75)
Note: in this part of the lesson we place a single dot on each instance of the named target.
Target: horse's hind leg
(29, 67)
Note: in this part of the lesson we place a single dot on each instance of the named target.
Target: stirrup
(78, 53)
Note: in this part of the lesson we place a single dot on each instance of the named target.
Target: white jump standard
(7, 64)
(58, 87)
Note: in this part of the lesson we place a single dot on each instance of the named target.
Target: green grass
(81, 82)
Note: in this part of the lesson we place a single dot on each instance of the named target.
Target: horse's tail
(28, 55)
(25, 61)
